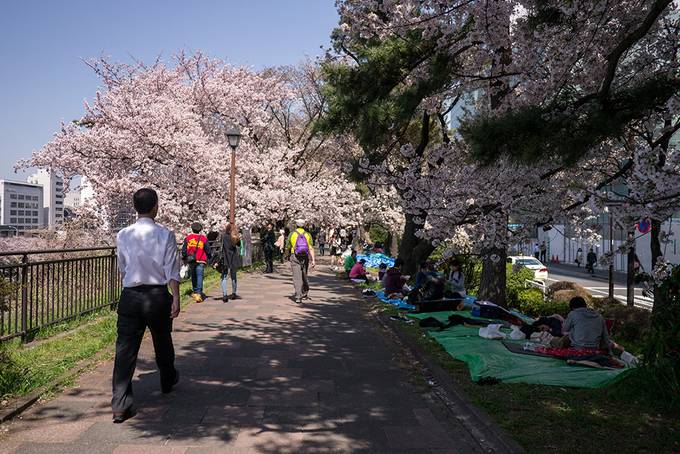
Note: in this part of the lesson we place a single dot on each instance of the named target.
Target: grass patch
(25, 368)
(620, 418)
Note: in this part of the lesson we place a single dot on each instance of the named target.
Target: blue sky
(43, 43)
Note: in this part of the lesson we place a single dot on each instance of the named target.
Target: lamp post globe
(234, 137)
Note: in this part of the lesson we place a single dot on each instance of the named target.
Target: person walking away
(579, 257)
(231, 261)
(537, 252)
(268, 247)
(321, 239)
(457, 278)
(591, 260)
(196, 253)
(301, 251)
(281, 243)
(543, 250)
(148, 263)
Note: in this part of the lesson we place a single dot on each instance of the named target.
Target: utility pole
(611, 253)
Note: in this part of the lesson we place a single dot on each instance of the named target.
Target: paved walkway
(259, 374)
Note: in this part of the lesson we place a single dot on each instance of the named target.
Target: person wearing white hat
(301, 250)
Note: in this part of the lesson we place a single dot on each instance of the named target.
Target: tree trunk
(655, 246)
(492, 281)
(630, 277)
(413, 250)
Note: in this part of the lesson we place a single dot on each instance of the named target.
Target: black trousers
(269, 260)
(139, 308)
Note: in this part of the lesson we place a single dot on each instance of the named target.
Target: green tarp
(490, 359)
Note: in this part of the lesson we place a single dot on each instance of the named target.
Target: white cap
(299, 222)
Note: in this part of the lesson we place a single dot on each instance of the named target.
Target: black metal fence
(53, 286)
(49, 287)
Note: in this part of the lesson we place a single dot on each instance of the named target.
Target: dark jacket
(231, 254)
(392, 281)
(268, 238)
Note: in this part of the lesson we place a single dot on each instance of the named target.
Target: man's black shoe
(234, 296)
(225, 299)
(169, 390)
(119, 418)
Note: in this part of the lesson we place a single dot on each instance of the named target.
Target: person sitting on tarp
(350, 261)
(431, 287)
(393, 281)
(358, 272)
(425, 272)
(382, 268)
(457, 278)
(584, 328)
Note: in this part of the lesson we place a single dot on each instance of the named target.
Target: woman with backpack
(300, 249)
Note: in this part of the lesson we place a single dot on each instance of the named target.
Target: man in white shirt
(149, 263)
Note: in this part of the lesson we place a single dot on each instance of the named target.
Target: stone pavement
(258, 375)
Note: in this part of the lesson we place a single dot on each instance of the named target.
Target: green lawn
(57, 349)
(621, 418)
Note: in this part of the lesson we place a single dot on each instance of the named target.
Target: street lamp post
(234, 137)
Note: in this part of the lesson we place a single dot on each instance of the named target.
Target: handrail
(56, 251)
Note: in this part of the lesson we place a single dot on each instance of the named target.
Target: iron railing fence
(49, 287)
(54, 286)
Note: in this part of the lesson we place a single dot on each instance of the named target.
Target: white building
(21, 207)
(53, 196)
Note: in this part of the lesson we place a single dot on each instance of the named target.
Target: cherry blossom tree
(159, 126)
(555, 82)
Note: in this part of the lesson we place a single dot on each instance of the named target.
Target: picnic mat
(374, 260)
(490, 359)
(401, 304)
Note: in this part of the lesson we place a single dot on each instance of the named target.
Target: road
(597, 285)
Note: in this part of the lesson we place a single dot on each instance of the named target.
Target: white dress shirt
(147, 254)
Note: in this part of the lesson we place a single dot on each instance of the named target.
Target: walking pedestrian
(579, 257)
(537, 252)
(280, 243)
(544, 251)
(591, 260)
(268, 247)
(231, 261)
(148, 263)
(321, 239)
(195, 254)
(301, 251)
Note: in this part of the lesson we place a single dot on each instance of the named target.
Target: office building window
(13, 205)
(12, 196)
(13, 212)
(20, 221)
(21, 204)
(21, 197)
(35, 213)
(13, 220)
(21, 212)
(35, 198)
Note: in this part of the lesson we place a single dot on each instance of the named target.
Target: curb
(477, 422)
(21, 404)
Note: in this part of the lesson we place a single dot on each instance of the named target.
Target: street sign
(644, 226)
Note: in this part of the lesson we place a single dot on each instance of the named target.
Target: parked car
(539, 269)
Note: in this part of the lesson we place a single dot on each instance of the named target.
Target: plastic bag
(629, 359)
(492, 331)
(184, 271)
(516, 334)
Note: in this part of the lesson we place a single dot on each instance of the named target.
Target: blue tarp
(374, 260)
(401, 304)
